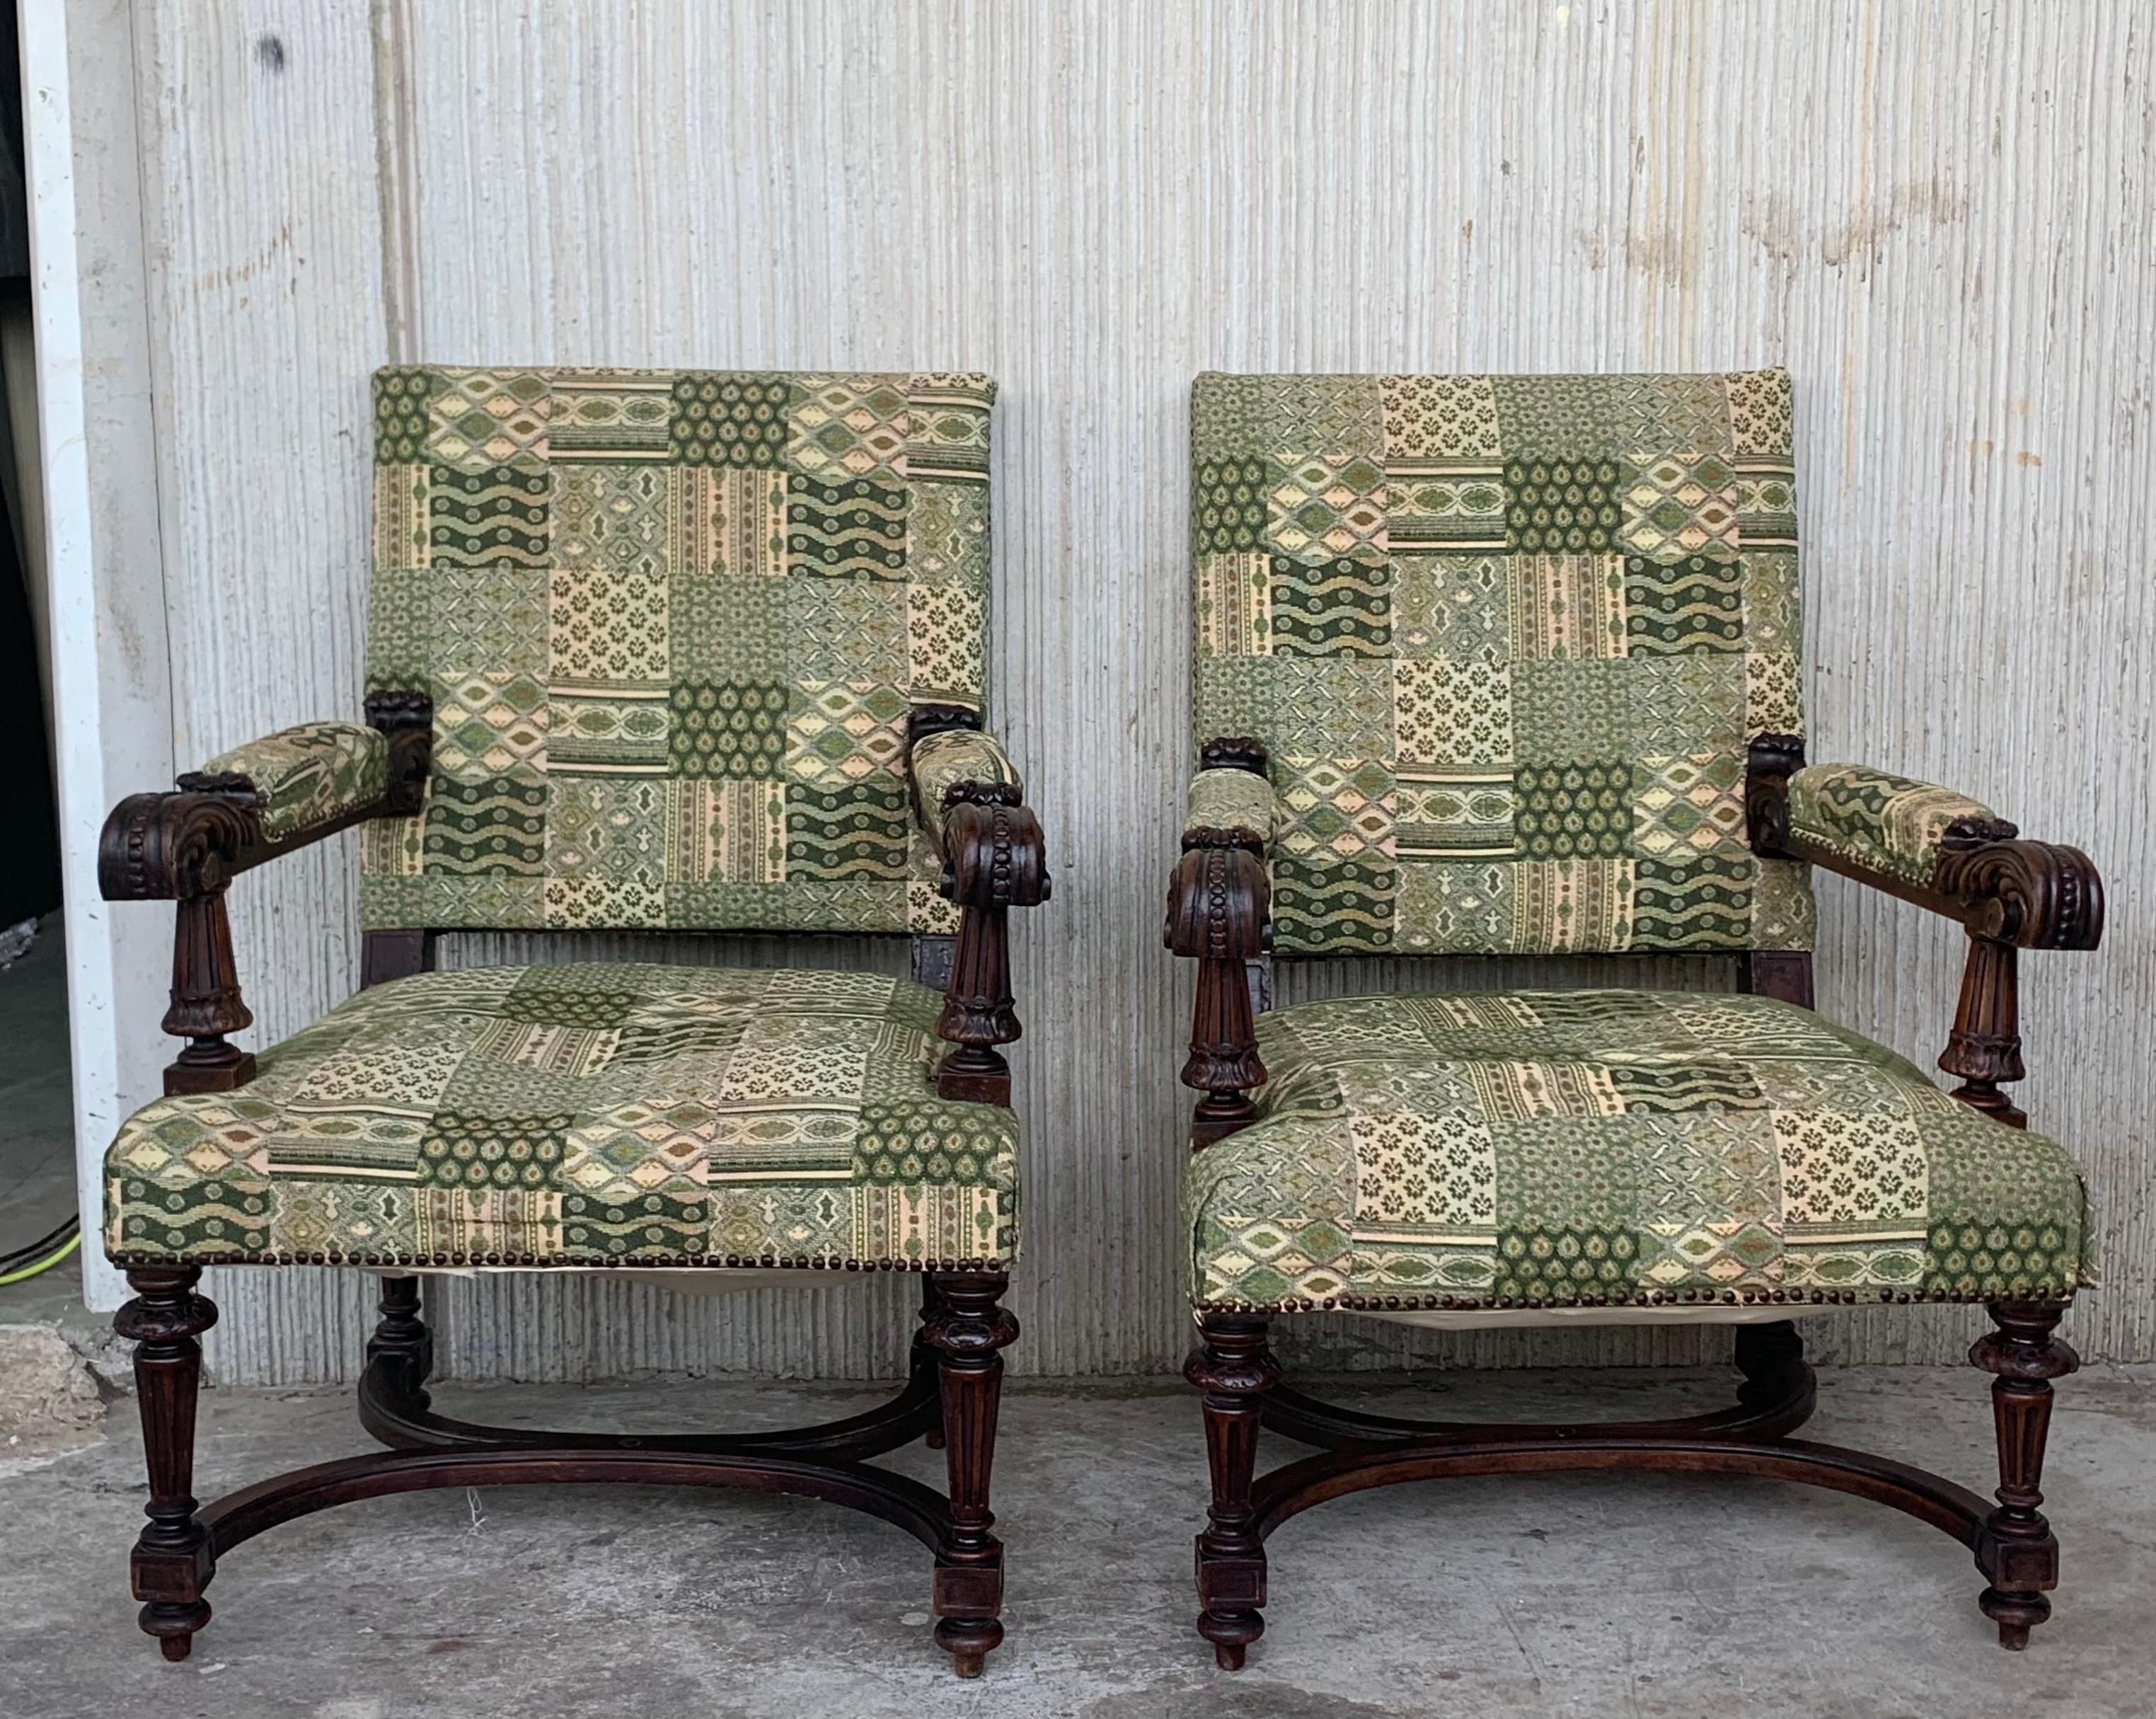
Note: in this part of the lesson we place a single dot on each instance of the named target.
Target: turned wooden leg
(1772, 1359)
(924, 1358)
(401, 1335)
(969, 1331)
(2018, 1552)
(172, 1562)
(1232, 1367)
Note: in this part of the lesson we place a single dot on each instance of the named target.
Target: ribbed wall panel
(1936, 214)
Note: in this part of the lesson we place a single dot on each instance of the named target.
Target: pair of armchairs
(1485, 665)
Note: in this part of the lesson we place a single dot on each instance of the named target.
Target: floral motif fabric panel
(589, 1114)
(1563, 1148)
(1230, 799)
(310, 774)
(673, 624)
(1506, 640)
(1890, 823)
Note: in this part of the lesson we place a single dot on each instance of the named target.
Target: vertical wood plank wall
(1936, 214)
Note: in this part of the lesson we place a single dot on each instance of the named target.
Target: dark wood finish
(2018, 1552)
(954, 1382)
(994, 859)
(174, 1559)
(1217, 905)
(1234, 751)
(1783, 975)
(1235, 1369)
(2009, 893)
(1777, 1396)
(968, 1331)
(394, 955)
(187, 846)
(407, 719)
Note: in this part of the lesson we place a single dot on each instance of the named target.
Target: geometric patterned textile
(310, 774)
(1890, 823)
(673, 623)
(1612, 1148)
(1230, 799)
(613, 1112)
(1506, 639)
(942, 761)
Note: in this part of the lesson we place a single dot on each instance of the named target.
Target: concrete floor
(1573, 1595)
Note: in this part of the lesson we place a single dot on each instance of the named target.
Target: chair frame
(2009, 893)
(186, 846)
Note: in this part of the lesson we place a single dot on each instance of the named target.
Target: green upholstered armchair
(664, 649)
(1501, 665)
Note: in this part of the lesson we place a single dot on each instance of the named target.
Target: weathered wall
(1937, 214)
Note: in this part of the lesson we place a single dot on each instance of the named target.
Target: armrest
(947, 766)
(267, 797)
(1950, 855)
(1940, 850)
(254, 802)
(1219, 906)
(1230, 801)
(968, 801)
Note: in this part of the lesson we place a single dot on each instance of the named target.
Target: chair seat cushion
(581, 1115)
(1593, 1148)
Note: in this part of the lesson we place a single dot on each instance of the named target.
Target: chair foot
(2016, 1613)
(2016, 1549)
(174, 1626)
(969, 1641)
(1231, 1634)
(1233, 1368)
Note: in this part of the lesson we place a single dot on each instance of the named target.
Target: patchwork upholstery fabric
(581, 1115)
(673, 624)
(1506, 639)
(1609, 1148)
(1889, 824)
(311, 774)
(943, 760)
(1230, 799)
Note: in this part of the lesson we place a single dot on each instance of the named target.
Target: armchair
(649, 649)
(1509, 665)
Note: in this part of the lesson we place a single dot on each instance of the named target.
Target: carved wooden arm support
(2009, 893)
(186, 845)
(1219, 905)
(972, 805)
(994, 860)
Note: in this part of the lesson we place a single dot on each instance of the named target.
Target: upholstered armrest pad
(1231, 799)
(1881, 823)
(940, 761)
(315, 773)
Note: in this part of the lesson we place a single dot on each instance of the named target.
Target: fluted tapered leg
(969, 1331)
(172, 1563)
(1233, 1368)
(2019, 1552)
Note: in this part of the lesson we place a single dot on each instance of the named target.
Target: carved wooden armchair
(649, 649)
(1505, 665)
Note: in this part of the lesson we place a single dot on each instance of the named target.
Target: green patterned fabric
(581, 1115)
(1506, 639)
(943, 761)
(673, 623)
(311, 774)
(1569, 1148)
(1230, 799)
(1889, 824)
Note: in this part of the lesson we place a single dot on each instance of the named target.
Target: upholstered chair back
(1505, 640)
(673, 625)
